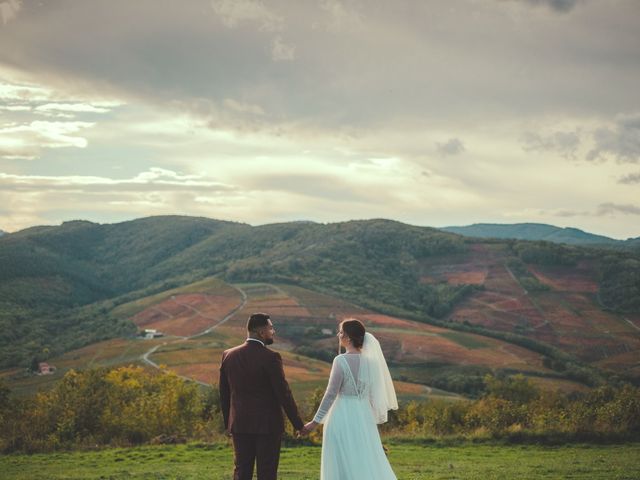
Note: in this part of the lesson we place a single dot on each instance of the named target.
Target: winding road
(145, 357)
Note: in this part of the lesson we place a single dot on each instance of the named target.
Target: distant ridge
(2, 232)
(537, 231)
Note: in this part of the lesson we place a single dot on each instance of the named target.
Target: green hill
(60, 286)
(535, 231)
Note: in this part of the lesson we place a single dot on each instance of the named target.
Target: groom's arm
(225, 394)
(283, 392)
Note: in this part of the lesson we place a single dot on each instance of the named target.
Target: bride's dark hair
(354, 329)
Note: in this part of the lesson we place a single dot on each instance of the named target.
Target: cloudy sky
(443, 112)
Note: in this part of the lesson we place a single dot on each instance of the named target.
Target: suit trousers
(252, 448)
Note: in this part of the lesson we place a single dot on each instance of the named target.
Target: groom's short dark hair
(257, 320)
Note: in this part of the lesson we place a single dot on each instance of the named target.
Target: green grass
(410, 461)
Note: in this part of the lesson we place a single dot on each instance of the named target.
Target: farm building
(150, 333)
(45, 369)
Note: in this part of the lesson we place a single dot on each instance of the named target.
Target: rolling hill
(449, 309)
(200, 320)
(537, 231)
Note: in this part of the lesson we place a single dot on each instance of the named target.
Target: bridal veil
(375, 372)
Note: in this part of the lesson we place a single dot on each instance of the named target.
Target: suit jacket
(253, 391)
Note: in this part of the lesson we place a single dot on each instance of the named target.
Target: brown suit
(253, 392)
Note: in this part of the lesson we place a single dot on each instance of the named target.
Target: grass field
(409, 461)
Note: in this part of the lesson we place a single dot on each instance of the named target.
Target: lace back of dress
(356, 385)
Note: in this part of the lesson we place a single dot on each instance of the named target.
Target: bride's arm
(335, 381)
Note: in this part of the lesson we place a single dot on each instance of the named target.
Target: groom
(253, 392)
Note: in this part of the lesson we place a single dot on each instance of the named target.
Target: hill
(201, 320)
(576, 308)
(536, 231)
(58, 285)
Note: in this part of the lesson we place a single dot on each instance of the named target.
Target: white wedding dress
(351, 446)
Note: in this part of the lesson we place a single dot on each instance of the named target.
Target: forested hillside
(59, 286)
(540, 232)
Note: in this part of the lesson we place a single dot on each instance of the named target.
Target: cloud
(233, 13)
(604, 209)
(154, 179)
(71, 107)
(343, 15)
(9, 10)
(26, 141)
(236, 13)
(453, 146)
(236, 49)
(569, 213)
(555, 5)
(15, 108)
(612, 208)
(327, 187)
(620, 142)
(23, 93)
(314, 91)
(242, 107)
(280, 51)
(23, 137)
(630, 179)
(39, 199)
(563, 143)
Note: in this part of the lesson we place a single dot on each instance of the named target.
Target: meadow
(410, 460)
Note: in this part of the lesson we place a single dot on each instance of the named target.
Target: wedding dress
(358, 396)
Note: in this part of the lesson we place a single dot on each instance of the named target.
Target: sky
(433, 113)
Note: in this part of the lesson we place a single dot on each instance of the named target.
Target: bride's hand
(309, 427)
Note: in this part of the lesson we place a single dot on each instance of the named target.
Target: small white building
(327, 331)
(151, 333)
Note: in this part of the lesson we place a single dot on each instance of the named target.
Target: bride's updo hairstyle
(354, 329)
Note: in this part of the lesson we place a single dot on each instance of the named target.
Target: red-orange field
(563, 319)
(566, 279)
(187, 314)
(555, 384)
(627, 362)
(108, 352)
(320, 305)
(469, 268)
(583, 327)
(496, 354)
(404, 340)
(476, 277)
(300, 372)
(203, 372)
(380, 320)
(572, 321)
(284, 306)
(203, 364)
(498, 311)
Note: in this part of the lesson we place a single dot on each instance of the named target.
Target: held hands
(308, 428)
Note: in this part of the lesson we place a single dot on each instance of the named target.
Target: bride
(359, 394)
